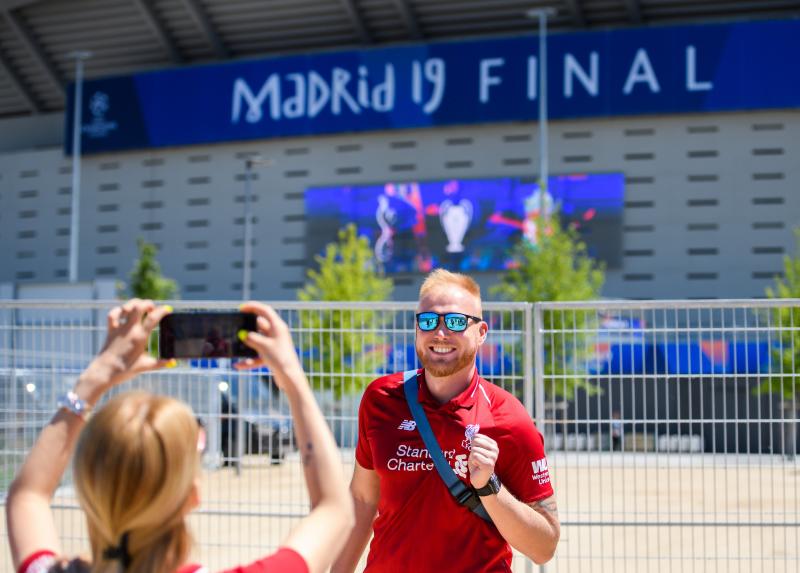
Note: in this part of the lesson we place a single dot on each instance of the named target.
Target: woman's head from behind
(135, 471)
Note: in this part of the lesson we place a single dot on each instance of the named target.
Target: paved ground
(623, 512)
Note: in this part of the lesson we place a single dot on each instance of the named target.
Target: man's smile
(439, 349)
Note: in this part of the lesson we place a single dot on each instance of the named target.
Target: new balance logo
(407, 425)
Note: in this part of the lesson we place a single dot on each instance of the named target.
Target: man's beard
(467, 358)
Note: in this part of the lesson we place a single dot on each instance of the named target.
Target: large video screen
(467, 224)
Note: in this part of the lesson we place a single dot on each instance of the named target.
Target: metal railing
(671, 442)
(253, 489)
(672, 433)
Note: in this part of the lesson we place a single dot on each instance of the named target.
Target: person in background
(616, 431)
(137, 463)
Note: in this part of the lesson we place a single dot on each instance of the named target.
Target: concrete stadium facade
(711, 200)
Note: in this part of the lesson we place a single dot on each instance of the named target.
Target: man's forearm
(359, 537)
(534, 532)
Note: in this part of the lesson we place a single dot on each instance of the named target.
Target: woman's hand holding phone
(124, 353)
(272, 341)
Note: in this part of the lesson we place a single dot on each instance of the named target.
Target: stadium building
(673, 138)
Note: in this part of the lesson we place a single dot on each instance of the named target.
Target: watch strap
(492, 487)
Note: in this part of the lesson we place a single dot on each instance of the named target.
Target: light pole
(248, 226)
(541, 14)
(79, 56)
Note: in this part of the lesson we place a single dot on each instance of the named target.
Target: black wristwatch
(492, 487)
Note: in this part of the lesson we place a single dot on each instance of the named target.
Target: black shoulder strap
(462, 493)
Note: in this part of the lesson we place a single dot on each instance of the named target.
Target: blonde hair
(134, 469)
(442, 277)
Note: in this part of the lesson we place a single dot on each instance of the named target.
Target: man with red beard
(486, 436)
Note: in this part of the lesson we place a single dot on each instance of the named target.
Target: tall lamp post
(541, 14)
(247, 256)
(79, 56)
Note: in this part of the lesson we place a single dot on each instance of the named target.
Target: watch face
(492, 486)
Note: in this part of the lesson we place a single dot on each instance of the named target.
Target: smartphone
(207, 334)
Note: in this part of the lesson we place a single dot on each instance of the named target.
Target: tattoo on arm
(308, 454)
(546, 505)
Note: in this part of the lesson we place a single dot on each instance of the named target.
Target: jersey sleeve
(284, 560)
(38, 562)
(523, 466)
(363, 448)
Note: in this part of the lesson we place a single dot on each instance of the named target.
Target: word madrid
(306, 95)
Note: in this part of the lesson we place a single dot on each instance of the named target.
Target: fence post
(538, 381)
(538, 365)
(527, 361)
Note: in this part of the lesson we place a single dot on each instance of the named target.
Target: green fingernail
(242, 334)
(169, 307)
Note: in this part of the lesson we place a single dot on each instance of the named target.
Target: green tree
(786, 354)
(784, 381)
(557, 268)
(346, 345)
(145, 280)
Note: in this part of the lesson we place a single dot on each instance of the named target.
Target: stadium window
(348, 148)
(763, 225)
(296, 151)
(293, 174)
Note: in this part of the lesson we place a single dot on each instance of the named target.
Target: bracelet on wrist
(73, 403)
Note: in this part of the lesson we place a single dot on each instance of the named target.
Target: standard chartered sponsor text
(410, 459)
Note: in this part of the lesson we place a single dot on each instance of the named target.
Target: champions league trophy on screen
(455, 219)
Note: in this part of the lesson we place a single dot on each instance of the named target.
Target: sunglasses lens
(428, 321)
(456, 322)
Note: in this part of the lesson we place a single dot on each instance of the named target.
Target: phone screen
(205, 335)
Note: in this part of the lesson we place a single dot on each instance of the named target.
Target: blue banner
(699, 68)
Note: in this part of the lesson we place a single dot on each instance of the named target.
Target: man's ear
(483, 330)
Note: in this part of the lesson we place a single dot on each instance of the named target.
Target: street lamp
(541, 14)
(79, 56)
(248, 228)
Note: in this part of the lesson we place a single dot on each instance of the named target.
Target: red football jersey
(284, 560)
(419, 526)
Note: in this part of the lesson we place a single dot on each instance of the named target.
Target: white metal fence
(672, 427)
(664, 454)
(253, 484)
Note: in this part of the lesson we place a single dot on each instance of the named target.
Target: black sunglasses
(455, 321)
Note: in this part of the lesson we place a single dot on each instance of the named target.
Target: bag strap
(462, 493)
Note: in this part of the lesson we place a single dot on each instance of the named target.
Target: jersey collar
(464, 400)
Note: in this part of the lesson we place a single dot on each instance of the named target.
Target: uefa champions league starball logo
(98, 105)
(99, 127)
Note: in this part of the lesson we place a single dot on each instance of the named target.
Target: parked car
(265, 419)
